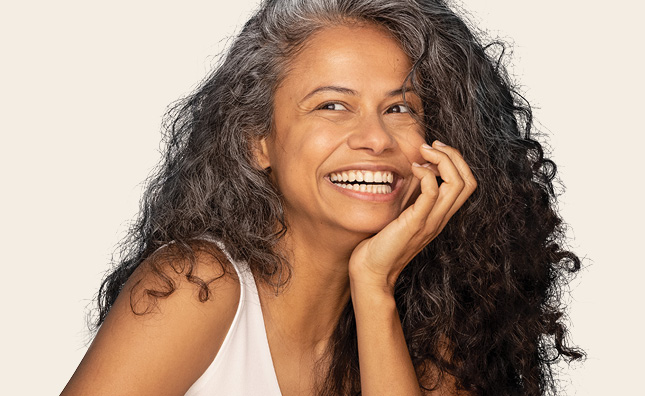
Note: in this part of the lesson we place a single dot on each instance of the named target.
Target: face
(344, 139)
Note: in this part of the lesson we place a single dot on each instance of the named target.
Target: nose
(371, 135)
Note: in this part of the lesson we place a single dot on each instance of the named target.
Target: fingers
(429, 190)
(458, 184)
(449, 190)
(466, 175)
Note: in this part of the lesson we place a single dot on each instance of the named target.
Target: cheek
(297, 158)
(411, 144)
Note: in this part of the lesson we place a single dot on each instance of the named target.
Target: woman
(301, 237)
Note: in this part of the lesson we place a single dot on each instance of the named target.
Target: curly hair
(489, 286)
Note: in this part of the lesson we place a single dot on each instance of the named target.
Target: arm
(385, 364)
(164, 351)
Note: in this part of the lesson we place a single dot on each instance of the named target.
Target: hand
(378, 261)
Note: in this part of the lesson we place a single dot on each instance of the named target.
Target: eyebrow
(348, 91)
(399, 92)
(332, 88)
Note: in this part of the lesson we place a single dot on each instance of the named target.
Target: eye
(334, 106)
(400, 108)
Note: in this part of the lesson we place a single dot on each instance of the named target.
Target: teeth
(353, 179)
(352, 176)
(363, 176)
(367, 188)
(378, 177)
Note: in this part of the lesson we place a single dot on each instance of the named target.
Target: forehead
(349, 50)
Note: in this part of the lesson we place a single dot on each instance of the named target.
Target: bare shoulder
(163, 330)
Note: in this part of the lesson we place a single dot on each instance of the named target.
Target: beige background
(83, 87)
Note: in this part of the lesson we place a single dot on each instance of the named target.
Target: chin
(366, 225)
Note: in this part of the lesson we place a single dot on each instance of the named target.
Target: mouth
(379, 182)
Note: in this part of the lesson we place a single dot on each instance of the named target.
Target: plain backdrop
(83, 87)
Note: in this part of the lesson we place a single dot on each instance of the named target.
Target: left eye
(332, 106)
(399, 108)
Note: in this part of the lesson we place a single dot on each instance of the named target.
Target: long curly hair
(489, 286)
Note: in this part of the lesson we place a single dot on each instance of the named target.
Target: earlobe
(261, 152)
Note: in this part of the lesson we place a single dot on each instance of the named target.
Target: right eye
(334, 106)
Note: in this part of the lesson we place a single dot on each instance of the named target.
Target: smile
(379, 182)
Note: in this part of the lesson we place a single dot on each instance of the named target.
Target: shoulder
(171, 276)
(164, 329)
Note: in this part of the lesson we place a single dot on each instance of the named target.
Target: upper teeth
(362, 176)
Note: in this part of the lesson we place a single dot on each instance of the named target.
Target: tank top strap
(243, 364)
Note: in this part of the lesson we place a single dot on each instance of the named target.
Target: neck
(305, 312)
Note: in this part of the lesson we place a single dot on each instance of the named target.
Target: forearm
(385, 364)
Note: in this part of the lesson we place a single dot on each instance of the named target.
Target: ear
(261, 153)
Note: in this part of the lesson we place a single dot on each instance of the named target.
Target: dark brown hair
(489, 286)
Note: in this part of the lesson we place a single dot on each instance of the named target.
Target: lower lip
(365, 196)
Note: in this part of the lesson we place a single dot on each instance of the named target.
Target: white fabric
(243, 365)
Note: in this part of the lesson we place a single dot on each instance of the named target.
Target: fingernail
(438, 143)
(426, 165)
(415, 164)
(427, 146)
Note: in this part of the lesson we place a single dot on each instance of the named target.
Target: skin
(336, 109)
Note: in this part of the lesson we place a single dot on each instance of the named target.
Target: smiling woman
(351, 203)
(339, 110)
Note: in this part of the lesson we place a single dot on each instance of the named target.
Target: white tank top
(243, 365)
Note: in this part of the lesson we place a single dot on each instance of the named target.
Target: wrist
(365, 280)
(376, 290)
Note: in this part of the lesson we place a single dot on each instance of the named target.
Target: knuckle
(471, 184)
(459, 184)
(432, 192)
(429, 181)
